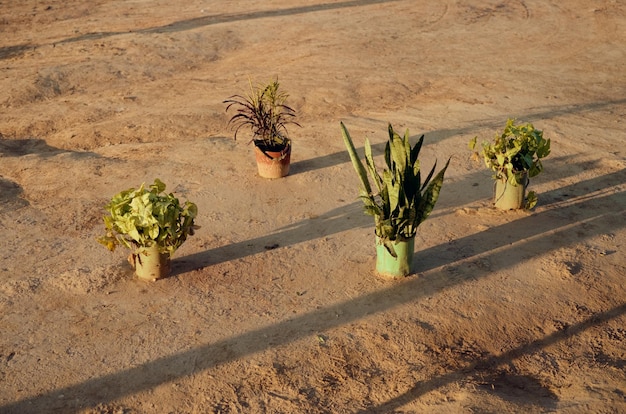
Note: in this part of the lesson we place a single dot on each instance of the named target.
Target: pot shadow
(342, 157)
(431, 137)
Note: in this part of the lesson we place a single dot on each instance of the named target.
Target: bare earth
(274, 306)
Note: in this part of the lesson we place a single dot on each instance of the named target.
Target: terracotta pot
(149, 264)
(508, 196)
(395, 267)
(273, 164)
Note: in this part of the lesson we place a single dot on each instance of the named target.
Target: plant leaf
(356, 161)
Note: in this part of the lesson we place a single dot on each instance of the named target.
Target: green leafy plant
(265, 113)
(402, 201)
(515, 155)
(147, 216)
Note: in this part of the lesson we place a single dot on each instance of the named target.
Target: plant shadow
(335, 221)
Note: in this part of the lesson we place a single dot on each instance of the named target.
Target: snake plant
(402, 201)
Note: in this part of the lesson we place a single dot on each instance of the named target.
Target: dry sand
(508, 312)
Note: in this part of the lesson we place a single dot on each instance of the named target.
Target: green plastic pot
(508, 196)
(395, 267)
(150, 264)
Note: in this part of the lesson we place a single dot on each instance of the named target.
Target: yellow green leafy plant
(515, 155)
(144, 217)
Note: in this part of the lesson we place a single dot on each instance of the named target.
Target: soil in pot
(272, 162)
(395, 267)
(508, 196)
(150, 264)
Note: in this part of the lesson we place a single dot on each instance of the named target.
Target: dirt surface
(274, 305)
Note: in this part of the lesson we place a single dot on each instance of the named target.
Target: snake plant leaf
(415, 152)
(369, 159)
(385, 230)
(389, 246)
(388, 160)
(531, 200)
(428, 178)
(393, 190)
(398, 152)
(472, 143)
(431, 195)
(356, 161)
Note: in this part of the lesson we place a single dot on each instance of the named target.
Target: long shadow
(577, 222)
(190, 24)
(491, 362)
(335, 221)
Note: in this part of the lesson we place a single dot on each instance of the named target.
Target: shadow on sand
(533, 235)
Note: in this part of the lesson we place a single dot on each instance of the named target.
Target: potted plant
(515, 157)
(265, 113)
(402, 202)
(151, 224)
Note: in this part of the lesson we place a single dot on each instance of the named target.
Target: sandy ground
(274, 305)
